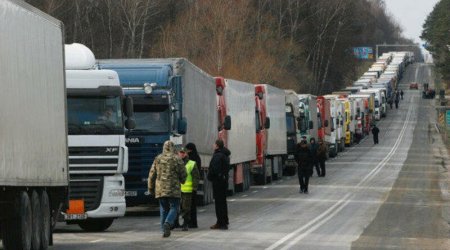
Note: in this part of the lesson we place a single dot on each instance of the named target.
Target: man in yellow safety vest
(189, 186)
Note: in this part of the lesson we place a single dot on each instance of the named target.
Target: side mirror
(182, 126)
(342, 123)
(311, 125)
(129, 106)
(326, 123)
(130, 123)
(267, 123)
(351, 118)
(227, 122)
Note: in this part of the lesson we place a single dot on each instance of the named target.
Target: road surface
(390, 195)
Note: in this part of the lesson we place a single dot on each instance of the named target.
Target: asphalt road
(390, 195)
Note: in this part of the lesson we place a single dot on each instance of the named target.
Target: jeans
(168, 210)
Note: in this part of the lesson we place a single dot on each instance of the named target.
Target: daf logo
(111, 150)
(132, 140)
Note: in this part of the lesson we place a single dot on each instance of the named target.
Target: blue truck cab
(157, 102)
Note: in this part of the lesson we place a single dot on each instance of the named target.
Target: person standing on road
(164, 181)
(401, 94)
(322, 157)
(313, 146)
(375, 132)
(189, 186)
(304, 166)
(193, 155)
(218, 175)
(397, 98)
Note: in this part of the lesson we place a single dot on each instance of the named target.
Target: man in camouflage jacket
(165, 178)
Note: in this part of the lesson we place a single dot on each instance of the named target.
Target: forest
(436, 33)
(305, 45)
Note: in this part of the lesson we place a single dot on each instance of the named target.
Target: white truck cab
(98, 157)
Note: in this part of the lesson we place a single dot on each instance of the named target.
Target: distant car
(414, 85)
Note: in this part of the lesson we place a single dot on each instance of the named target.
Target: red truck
(236, 114)
(271, 148)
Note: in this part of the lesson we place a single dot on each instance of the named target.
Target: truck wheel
(17, 230)
(96, 225)
(45, 227)
(36, 221)
(261, 179)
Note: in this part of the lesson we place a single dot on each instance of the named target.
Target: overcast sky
(411, 15)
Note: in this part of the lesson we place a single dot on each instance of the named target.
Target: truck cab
(333, 131)
(261, 165)
(98, 113)
(156, 94)
(292, 127)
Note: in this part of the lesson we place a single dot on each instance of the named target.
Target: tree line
(436, 32)
(305, 45)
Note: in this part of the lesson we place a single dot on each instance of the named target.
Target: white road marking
(338, 206)
(232, 200)
(244, 195)
(255, 191)
(202, 210)
(98, 240)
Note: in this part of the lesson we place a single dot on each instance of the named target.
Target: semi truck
(271, 132)
(173, 100)
(292, 126)
(332, 135)
(309, 121)
(98, 113)
(236, 113)
(33, 143)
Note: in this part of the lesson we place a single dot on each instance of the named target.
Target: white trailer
(276, 147)
(33, 141)
(241, 137)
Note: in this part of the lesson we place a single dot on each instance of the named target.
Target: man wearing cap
(189, 186)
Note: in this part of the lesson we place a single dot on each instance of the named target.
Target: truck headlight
(148, 88)
(117, 193)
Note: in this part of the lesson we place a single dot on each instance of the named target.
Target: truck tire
(36, 221)
(247, 177)
(17, 235)
(45, 228)
(96, 225)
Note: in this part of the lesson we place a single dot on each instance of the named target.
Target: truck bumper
(113, 199)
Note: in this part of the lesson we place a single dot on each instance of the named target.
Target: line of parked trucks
(88, 130)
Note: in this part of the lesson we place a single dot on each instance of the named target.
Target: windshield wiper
(75, 126)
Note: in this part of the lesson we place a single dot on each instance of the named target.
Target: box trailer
(33, 141)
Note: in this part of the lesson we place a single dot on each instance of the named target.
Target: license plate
(75, 216)
(130, 193)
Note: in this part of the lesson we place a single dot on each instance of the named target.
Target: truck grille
(88, 189)
(94, 160)
(140, 159)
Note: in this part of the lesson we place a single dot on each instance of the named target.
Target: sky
(411, 15)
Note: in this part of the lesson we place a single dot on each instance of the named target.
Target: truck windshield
(152, 118)
(290, 124)
(88, 115)
(303, 124)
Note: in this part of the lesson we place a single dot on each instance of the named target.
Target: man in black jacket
(304, 161)
(218, 175)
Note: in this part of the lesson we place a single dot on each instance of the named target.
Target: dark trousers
(375, 139)
(193, 222)
(303, 179)
(322, 167)
(220, 202)
(186, 202)
(317, 167)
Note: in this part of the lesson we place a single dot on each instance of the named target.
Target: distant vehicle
(414, 85)
(428, 93)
